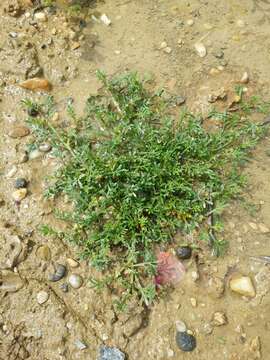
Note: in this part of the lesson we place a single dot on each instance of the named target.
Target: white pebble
(104, 18)
(190, 22)
(12, 171)
(72, 263)
(180, 326)
(80, 345)
(75, 281)
(200, 49)
(245, 78)
(40, 16)
(42, 297)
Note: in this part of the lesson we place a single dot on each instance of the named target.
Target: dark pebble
(185, 341)
(184, 252)
(20, 183)
(32, 112)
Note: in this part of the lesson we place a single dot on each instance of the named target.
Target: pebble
(216, 287)
(40, 16)
(12, 171)
(214, 71)
(19, 132)
(42, 297)
(72, 263)
(10, 282)
(75, 281)
(20, 183)
(190, 22)
(244, 78)
(64, 287)
(80, 345)
(168, 50)
(264, 229)
(60, 272)
(36, 84)
(180, 100)
(104, 18)
(207, 329)
(110, 353)
(243, 286)
(35, 154)
(163, 45)
(180, 326)
(75, 45)
(193, 302)
(170, 353)
(185, 341)
(44, 253)
(19, 195)
(183, 252)
(200, 49)
(219, 319)
(253, 226)
(45, 147)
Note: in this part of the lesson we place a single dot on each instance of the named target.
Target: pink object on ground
(169, 269)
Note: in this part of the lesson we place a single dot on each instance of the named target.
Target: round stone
(75, 281)
(44, 253)
(186, 342)
(20, 183)
(184, 252)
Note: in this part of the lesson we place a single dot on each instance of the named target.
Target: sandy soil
(68, 50)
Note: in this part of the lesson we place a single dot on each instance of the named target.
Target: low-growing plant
(134, 176)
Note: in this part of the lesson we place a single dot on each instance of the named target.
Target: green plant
(135, 176)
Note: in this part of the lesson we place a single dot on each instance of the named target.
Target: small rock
(219, 54)
(180, 100)
(180, 326)
(170, 353)
(10, 282)
(72, 263)
(244, 78)
(12, 171)
(163, 45)
(36, 84)
(64, 287)
(40, 16)
(75, 45)
(195, 276)
(19, 195)
(44, 253)
(110, 353)
(213, 71)
(263, 228)
(184, 252)
(20, 183)
(200, 49)
(190, 22)
(185, 341)
(19, 132)
(168, 50)
(75, 281)
(60, 272)
(253, 225)
(35, 154)
(219, 319)
(193, 302)
(45, 147)
(104, 18)
(216, 287)
(80, 345)
(42, 297)
(207, 329)
(243, 286)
